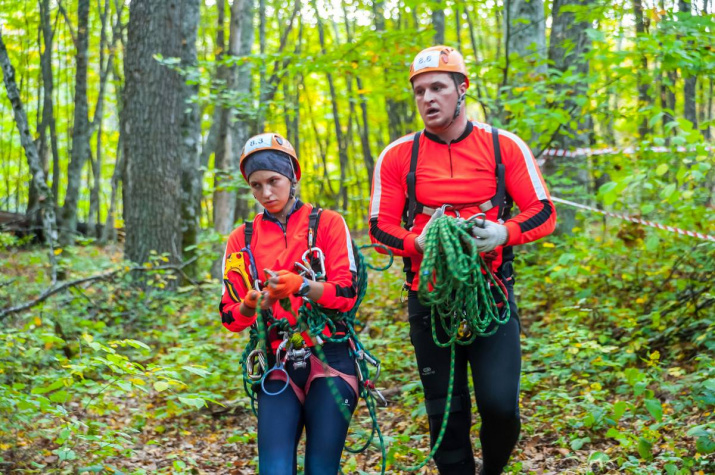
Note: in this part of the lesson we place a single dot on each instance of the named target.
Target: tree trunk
(233, 129)
(80, 131)
(94, 220)
(339, 135)
(567, 50)
(152, 117)
(191, 134)
(364, 130)
(398, 111)
(48, 113)
(526, 35)
(438, 22)
(690, 86)
(33, 159)
(644, 98)
(477, 81)
(109, 233)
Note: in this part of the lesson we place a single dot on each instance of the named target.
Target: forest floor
(592, 401)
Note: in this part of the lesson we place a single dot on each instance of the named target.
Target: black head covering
(272, 160)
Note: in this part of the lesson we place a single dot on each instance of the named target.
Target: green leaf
(199, 371)
(699, 431)
(655, 409)
(196, 402)
(161, 386)
(576, 444)
(599, 458)
(662, 169)
(619, 408)
(60, 397)
(55, 385)
(645, 449)
(668, 191)
(705, 445)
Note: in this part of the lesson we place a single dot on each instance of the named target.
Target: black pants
(495, 362)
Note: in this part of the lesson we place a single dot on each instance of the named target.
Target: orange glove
(285, 284)
(251, 300)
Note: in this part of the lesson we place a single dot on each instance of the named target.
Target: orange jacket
(275, 247)
(460, 174)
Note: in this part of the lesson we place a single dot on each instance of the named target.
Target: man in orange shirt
(472, 168)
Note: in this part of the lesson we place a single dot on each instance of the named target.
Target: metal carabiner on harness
(256, 359)
(361, 355)
(298, 354)
(306, 269)
(279, 366)
(446, 206)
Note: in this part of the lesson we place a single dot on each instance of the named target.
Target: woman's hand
(283, 284)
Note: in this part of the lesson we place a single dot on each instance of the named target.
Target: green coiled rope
(457, 283)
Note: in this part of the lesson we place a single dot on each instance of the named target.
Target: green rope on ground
(445, 419)
(457, 283)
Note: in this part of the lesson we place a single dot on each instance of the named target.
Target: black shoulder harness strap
(313, 221)
(412, 206)
(248, 233)
(500, 195)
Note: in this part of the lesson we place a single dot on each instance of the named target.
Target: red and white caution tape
(705, 237)
(581, 152)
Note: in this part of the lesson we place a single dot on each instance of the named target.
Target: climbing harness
(313, 319)
(455, 281)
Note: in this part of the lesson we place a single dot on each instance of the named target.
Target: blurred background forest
(119, 139)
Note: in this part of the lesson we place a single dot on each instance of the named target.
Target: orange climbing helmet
(269, 141)
(439, 58)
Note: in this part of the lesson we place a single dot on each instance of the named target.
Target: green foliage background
(618, 319)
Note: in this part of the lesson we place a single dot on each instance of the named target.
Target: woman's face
(271, 189)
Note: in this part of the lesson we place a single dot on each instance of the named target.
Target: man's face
(436, 96)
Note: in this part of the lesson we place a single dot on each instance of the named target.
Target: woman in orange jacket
(277, 240)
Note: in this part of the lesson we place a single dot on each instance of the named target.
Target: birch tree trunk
(33, 159)
(80, 131)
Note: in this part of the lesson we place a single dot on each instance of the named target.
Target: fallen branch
(91, 279)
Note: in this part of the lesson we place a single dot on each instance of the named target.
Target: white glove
(420, 241)
(490, 236)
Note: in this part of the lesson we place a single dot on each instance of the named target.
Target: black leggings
(496, 365)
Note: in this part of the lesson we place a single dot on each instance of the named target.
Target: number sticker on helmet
(427, 59)
(259, 141)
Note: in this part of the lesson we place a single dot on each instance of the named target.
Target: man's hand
(490, 236)
(283, 285)
(420, 241)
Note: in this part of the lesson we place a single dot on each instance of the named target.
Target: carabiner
(446, 206)
(473, 219)
(277, 367)
(255, 358)
(317, 276)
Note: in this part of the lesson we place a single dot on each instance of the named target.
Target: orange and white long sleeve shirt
(275, 247)
(460, 174)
